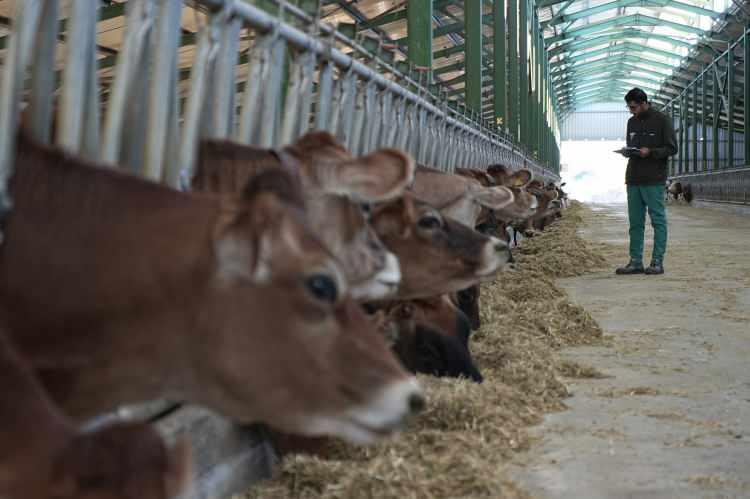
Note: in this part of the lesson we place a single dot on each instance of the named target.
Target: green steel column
(523, 83)
(673, 158)
(538, 98)
(419, 31)
(695, 126)
(746, 111)
(686, 101)
(500, 81)
(715, 128)
(730, 111)
(513, 67)
(533, 112)
(473, 53)
(704, 113)
(683, 134)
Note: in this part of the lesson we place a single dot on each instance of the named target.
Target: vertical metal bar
(336, 105)
(695, 126)
(369, 117)
(162, 87)
(200, 79)
(348, 101)
(730, 108)
(716, 121)
(473, 54)
(746, 100)
(386, 122)
(309, 63)
(359, 119)
(139, 21)
(686, 135)
(402, 140)
(704, 121)
(43, 73)
(523, 35)
(419, 31)
(272, 96)
(224, 81)
(17, 55)
(499, 81)
(325, 94)
(290, 121)
(73, 107)
(683, 135)
(259, 71)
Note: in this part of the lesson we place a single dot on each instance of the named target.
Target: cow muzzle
(495, 254)
(384, 284)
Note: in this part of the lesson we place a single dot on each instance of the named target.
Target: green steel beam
(614, 36)
(629, 21)
(627, 46)
(419, 31)
(746, 99)
(385, 18)
(523, 86)
(716, 91)
(585, 13)
(694, 100)
(473, 54)
(614, 70)
(513, 65)
(626, 58)
(609, 64)
(704, 122)
(730, 109)
(499, 80)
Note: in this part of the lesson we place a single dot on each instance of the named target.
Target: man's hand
(644, 152)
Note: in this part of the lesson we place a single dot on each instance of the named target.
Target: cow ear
(520, 178)
(243, 238)
(379, 176)
(493, 198)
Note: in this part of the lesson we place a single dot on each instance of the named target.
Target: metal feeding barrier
(251, 76)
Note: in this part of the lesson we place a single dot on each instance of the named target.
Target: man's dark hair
(637, 95)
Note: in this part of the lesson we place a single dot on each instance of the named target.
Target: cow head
(437, 254)
(279, 290)
(333, 184)
(524, 203)
(433, 339)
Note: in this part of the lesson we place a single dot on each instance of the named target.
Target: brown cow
(43, 456)
(118, 290)
(433, 338)
(457, 196)
(333, 184)
(437, 254)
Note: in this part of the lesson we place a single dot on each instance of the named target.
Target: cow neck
(97, 250)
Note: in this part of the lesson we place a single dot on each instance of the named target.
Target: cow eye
(429, 222)
(322, 287)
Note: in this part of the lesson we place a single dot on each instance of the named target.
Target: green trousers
(641, 197)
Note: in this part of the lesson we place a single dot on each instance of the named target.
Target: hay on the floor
(458, 446)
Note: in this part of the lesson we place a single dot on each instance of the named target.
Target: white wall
(592, 172)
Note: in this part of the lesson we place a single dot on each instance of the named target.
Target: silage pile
(458, 446)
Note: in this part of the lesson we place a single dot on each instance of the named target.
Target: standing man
(651, 132)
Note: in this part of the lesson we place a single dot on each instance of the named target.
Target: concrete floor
(672, 420)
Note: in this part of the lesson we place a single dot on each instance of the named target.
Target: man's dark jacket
(654, 130)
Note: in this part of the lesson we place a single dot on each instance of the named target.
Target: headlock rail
(244, 75)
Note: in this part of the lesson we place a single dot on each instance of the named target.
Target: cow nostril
(416, 403)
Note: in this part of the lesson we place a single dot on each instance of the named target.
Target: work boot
(631, 268)
(656, 267)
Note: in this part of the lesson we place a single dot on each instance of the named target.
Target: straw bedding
(458, 446)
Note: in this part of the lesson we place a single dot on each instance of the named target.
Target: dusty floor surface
(672, 420)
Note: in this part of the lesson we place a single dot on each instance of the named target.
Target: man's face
(637, 108)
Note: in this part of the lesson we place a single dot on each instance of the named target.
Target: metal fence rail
(251, 77)
(727, 186)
